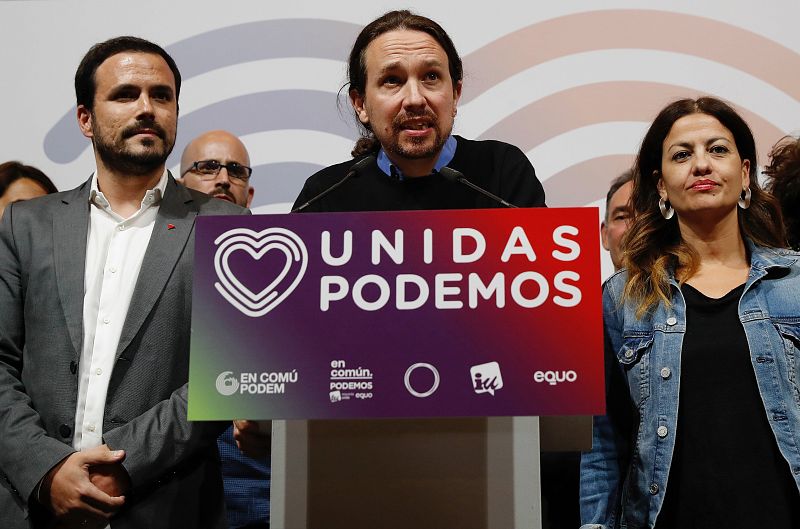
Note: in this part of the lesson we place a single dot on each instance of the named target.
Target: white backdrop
(573, 83)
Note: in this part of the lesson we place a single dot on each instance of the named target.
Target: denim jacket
(624, 477)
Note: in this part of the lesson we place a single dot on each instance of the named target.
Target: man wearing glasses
(216, 163)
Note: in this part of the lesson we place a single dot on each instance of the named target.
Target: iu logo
(486, 378)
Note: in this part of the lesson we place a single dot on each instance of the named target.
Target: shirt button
(90, 427)
(665, 372)
(99, 371)
(662, 431)
(653, 488)
(113, 269)
(121, 227)
(628, 353)
(672, 320)
(106, 321)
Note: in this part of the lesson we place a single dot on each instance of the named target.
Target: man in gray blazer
(95, 307)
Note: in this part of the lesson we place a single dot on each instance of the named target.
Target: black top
(497, 167)
(726, 470)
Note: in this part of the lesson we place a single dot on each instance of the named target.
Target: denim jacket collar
(762, 261)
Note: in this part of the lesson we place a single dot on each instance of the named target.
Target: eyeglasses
(209, 169)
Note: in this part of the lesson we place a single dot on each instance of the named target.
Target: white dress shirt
(115, 250)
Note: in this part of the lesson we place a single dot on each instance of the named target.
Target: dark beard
(395, 147)
(118, 159)
(436, 147)
(124, 162)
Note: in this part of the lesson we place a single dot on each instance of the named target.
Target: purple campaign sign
(397, 314)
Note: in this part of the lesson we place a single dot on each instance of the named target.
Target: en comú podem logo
(227, 384)
(264, 383)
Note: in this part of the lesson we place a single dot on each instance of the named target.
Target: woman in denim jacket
(702, 341)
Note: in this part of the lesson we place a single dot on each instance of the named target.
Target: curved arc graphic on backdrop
(261, 112)
(585, 182)
(630, 28)
(204, 52)
(551, 115)
(622, 101)
(280, 181)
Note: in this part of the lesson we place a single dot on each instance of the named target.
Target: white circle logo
(432, 389)
(227, 384)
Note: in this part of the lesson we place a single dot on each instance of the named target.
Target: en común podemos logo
(349, 383)
(264, 383)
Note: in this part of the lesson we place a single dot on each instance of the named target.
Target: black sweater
(498, 167)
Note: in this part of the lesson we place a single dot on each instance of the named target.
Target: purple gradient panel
(563, 343)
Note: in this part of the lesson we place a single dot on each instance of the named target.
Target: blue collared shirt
(445, 157)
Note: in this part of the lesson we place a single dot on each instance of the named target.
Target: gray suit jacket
(173, 464)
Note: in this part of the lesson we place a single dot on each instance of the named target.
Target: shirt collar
(152, 197)
(445, 157)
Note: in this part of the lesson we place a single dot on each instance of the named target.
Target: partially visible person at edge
(22, 182)
(784, 183)
(702, 336)
(618, 216)
(405, 79)
(217, 163)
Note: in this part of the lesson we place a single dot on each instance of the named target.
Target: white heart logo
(257, 244)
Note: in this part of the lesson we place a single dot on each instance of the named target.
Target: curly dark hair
(784, 183)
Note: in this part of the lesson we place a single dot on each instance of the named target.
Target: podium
(480, 473)
(406, 355)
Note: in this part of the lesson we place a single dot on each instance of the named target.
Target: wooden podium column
(399, 473)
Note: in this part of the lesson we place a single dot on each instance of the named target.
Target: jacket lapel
(70, 228)
(173, 227)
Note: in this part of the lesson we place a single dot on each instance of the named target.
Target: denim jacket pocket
(634, 358)
(790, 335)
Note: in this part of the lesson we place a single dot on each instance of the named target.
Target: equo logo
(554, 377)
(227, 384)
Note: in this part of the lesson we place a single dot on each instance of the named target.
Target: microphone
(354, 170)
(457, 176)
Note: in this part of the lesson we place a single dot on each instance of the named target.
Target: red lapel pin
(170, 226)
